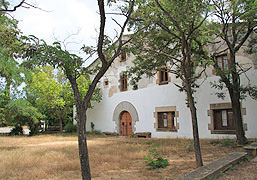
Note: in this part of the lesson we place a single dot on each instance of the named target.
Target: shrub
(154, 160)
(70, 128)
(92, 126)
(16, 131)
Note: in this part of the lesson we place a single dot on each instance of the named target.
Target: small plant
(70, 128)
(92, 126)
(154, 160)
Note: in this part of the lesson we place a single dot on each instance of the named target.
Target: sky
(61, 19)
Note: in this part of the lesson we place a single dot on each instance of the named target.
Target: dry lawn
(52, 157)
(243, 171)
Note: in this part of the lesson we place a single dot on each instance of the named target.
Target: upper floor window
(106, 83)
(163, 76)
(222, 61)
(124, 82)
(123, 55)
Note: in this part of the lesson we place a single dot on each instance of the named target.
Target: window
(222, 61)
(106, 83)
(163, 77)
(124, 82)
(221, 116)
(166, 120)
(223, 119)
(123, 55)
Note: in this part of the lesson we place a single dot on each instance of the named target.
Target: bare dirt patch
(117, 158)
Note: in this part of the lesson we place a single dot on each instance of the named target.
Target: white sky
(65, 17)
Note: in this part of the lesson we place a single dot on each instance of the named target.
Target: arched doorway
(117, 115)
(125, 124)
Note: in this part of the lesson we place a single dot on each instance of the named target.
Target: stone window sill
(167, 130)
(223, 132)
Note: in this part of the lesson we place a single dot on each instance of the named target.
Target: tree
(53, 94)
(173, 37)
(10, 70)
(235, 22)
(20, 112)
(72, 65)
(47, 93)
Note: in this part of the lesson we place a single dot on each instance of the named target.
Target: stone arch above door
(125, 106)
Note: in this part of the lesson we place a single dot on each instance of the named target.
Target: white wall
(145, 100)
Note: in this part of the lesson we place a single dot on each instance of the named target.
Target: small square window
(223, 119)
(106, 83)
(166, 120)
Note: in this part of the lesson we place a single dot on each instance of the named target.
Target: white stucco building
(158, 107)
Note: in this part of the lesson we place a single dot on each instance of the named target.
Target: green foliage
(16, 131)
(70, 128)
(92, 126)
(21, 112)
(52, 93)
(10, 49)
(154, 160)
(161, 40)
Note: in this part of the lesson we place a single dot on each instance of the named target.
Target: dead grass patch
(119, 158)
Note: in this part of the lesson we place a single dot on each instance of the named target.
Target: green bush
(16, 131)
(70, 128)
(154, 160)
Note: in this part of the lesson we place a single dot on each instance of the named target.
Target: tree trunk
(191, 103)
(237, 116)
(60, 124)
(234, 92)
(59, 119)
(82, 142)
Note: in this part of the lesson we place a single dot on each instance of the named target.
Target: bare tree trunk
(234, 92)
(197, 149)
(237, 116)
(59, 119)
(60, 124)
(82, 143)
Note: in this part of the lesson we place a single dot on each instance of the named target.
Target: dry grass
(243, 171)
(118, 158)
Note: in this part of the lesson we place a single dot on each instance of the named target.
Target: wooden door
(125, 124)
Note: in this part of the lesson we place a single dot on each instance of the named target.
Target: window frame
(163, 76)
(123, 55)
(223, 66)
(220, 107)
(161, 119)
(218, 121)
(171, 124)
(123, 82)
